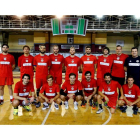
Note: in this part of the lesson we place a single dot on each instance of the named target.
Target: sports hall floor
(83, 116)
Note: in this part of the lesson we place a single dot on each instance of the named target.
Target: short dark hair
(49, 76)
(26, 75)
(134, 48)
(5, 45)
(107, 74)
(72, 74)
(130, 76)
(87, 72)
(42, 45)
(106, 48)
(26, 46)
(88, 47)
(119, 46)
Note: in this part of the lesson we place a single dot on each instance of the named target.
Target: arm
(121, 91)
(34, 68)
(81, 67)
(43, 97)
(94, 92)
(125, 68)
(135, 102)
(13, 67)
(20, 98)
(102, 95)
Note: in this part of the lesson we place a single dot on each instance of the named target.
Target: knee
(15, 103)
(98, 97)
(10, 87)
(120, 103)
(58, 100)
(1, 87)
(138, 104)
(41, 99)
(78, 98)
(62, 97)
(112, 111)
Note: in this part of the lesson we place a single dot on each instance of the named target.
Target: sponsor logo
(137, 61)
(88, 58)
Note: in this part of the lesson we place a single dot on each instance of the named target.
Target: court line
(46, 117)
(110, 115)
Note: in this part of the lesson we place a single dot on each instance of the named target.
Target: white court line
(108, 118)
(46, 116)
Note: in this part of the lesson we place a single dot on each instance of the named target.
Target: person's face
(130, 81)
(88, 51)
(72, 78)
(42, 49)
(26, 50)
(134, 52)
(55, 50)
(50, 81)
(118, 50)
(72, 51)
(105, 52)
(5, 49)
(25, 80)
(88, 77)
(107, 79)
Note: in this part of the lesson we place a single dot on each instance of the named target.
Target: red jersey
(50, 91)
(6, 63)
(110, 90)
(88, 86)
(23, 90)
(118, 65)
(42, 63)
(26, 64)
(68, 88)
(103, 66)
(88, 64)
(56, 65)
(72, 64)
(132, 93)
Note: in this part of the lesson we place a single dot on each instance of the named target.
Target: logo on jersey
(26, 60)
(55, 59)
(137, 61)
(130, 61)
(4, 58)
(72, 61)
(129, 92)
(88, 58)
(118, 58)
(109, 88)
(24, 90)
(42, 60)
(50, 90)
(104, 60)
(88, 86)
(72, 88)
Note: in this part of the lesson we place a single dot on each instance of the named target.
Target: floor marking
(108, 118)
(46, 116)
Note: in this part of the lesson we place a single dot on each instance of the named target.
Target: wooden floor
(83, 116)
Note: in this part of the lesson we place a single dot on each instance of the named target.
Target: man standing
(108, 92)
(131, 96)
(7, 64)
(118, 73)
(88, 62)
(21, 94)
(90, 88)
(57, 63)
(41, 65)
(72, 64)
(50, 92)
(25, 63)
(132, 66)
(71, 88)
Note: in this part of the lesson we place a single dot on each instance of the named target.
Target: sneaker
(135, 111)
(123, 109)
(45, 106)
(93, 107)
(56, 106)
(34, 102)
(75, 105)
(83, 104)
(38, 104)
(105, 103)
(66, 105)
(99, 111)
(1, 102)
(27, 107)
(15, 112)
(90, 102)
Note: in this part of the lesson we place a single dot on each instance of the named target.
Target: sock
(45, 103)
(60, 103)
(124, 106)
(16, 107)
(11, 97)
(75, 102)
(1, 97)
(100, 105)
(55, 103)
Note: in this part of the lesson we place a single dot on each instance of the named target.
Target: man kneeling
(131, 96)
(21, 94)
(71, 88)
(49, 93)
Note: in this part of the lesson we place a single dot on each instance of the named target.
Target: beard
(42, 52)
(108, 82)
(5, 51)
(88, 53)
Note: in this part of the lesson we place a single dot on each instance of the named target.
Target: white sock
(1, 97)
(45, 103)
(11, 97)
(75, 102)
(66, 102)
(55, 103)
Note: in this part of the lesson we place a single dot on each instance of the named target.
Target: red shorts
(6, 81)
(112, 102)
(99, 81)
(58, 80)
(40, 82)
(87, 94)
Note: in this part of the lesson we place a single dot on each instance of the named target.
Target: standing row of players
(44, 65)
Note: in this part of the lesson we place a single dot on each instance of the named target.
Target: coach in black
(132, 66)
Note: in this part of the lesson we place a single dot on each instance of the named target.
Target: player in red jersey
(89, 87)
(88, 62)
(131, 96)
(72, 64)
(21, 94)
(7, 64)
(50, 92)
(71, 88)
(25, 63)
(41, 65)
(103, 65)
(57, 63)
(108, 92)
(118, 73)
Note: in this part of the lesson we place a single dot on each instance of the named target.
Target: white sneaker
(99, 111)
(66, 105)
(45, 106)
(75, 105)
(56, 106)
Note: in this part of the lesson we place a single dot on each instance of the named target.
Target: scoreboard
(75, 26)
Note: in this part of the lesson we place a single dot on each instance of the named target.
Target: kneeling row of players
(86, 91)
